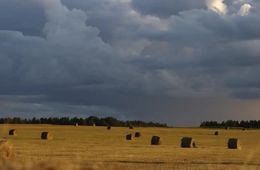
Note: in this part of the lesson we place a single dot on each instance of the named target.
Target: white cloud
(217, 6)
(244, 10)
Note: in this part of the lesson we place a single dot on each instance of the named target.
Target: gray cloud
(132, 59)
(166, 8)
(25, 16)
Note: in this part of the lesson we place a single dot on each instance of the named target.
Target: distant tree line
(90, 121)
(232, 124)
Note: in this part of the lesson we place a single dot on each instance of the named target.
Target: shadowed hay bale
(109, 128)
(129, 137)
(6, 150)
(233, 143)
(137, 134)
(46, 136)
(187, 142)
(216, 133)
(13, 132)
(131, 127)
(156, 140)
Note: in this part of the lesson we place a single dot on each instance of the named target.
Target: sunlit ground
(99, 148)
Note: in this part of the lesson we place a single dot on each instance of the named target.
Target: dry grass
(96, 148)
(6, 150)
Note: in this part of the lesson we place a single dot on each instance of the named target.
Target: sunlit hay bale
(187, 142)
(137, 134)
(94, 125)
(227, 128)
(76, 125)
(156, 140)
(131, 127)
(216, 133)
(6, 150)
(129, 137)
(108, 127)
(46, 136)
(13, 132)
(233, 143)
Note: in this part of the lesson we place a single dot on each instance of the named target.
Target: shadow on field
(226, 163)
(140, 162)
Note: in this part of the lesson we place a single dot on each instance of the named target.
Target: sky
(178, 62)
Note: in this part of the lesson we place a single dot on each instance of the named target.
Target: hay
(129, 137)
(13, 132)
(46, 136)
(156, 140)
(187, 142)
(216, 133)
(109, 128)
(137, 134)
(233, 143)
(6, 150)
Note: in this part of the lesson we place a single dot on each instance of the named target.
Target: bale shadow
(226, 163)
(141, 162)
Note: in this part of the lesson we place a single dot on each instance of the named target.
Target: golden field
(85, 147)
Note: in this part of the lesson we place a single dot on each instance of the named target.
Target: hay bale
(129, 137)
(187, 142)
(156, 140)
(94, 125)
(216, 133)
(131, 127)
(6, 150)
(233, 143)
(109, 128)
(13, 132)
(137, 134)
(76, 125)
(46, 136)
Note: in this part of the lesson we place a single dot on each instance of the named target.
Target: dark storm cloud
(110, 17)
(142, 59)
(166, 8)
(25, 16)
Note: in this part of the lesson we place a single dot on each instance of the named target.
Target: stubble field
(85, 147)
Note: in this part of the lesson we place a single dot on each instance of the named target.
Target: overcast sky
(173, 61)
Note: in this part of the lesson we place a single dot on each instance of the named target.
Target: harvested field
(95, 147)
